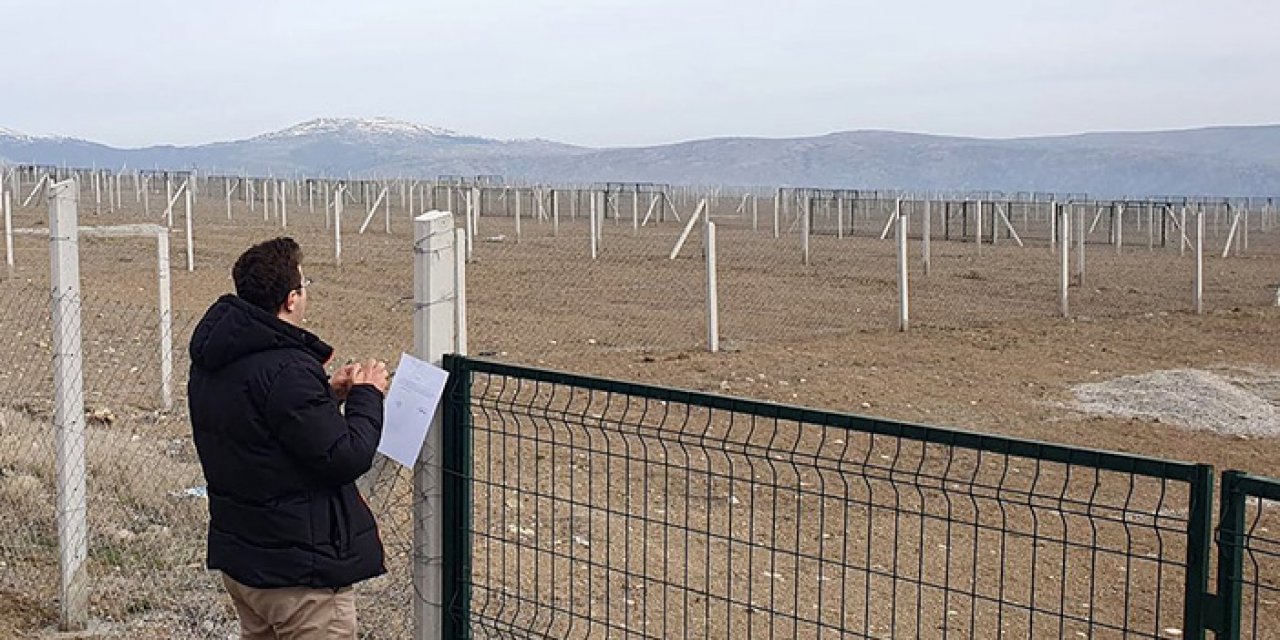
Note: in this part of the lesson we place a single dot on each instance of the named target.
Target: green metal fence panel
(456, 503)
(601, 508)
(1248, 599)
(1199, 549)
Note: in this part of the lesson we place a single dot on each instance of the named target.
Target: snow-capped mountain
(1209, 161)
(372, 128)
(324, 146)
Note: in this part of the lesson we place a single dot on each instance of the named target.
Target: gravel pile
(1234, 402)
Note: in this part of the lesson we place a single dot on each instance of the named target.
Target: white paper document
(414, 398)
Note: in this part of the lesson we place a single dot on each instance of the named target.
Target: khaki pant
(293, 613)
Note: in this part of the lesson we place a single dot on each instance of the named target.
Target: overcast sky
(633, 72)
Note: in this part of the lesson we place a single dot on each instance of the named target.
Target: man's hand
(371, 372)
(341, 380)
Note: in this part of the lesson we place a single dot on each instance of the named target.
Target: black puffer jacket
(279, 456)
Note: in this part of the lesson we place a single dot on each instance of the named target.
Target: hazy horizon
(656, 143)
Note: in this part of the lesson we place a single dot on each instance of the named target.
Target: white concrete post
(1182, 241)
(1233, 232)
(996, 212)
(166, 320)
(688, 227)
(339, 195)
(1064, 256)
(1244, 219)
(1151, 227)
(904, 300)
(1119, 229)
(472, 206)
(1241, 216)
(977, 236)
(1079, 234)
(373, 210)
(1053, 226)
(713, 297)
(8, 231)
(777, 205)
(460, 288)
(555, 212)
(925, 244)
(595, 228)
(168, 197)
(839, 218)
(804, 229)
(226, 187)
(477, 208)
(1198, 296)
(328, 206)
(282, 195)
(434, 334)
(603, 212)
(518, 204)
(68, 409)
(191, 251)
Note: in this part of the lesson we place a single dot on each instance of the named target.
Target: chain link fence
(141, 523)
(145, 513)
(550, 286)
(536, 295)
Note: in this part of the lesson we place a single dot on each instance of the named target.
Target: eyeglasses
(306, 282)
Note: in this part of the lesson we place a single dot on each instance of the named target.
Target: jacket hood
(232, 329)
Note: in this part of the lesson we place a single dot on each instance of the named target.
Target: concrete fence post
(68, 408)
(166, 319)
(904, 300)
(713, 296)
(435, 333)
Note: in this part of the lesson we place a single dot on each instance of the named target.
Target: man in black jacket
(287, 527)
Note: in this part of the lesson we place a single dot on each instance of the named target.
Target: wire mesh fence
(601, 508)
(122, 474)
(145, 513)
(537, 296)
(831, 268)
(829, 271)
(1249, 556)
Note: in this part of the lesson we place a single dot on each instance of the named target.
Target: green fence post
(1230, 556)
(1199, 547)
(456, 504)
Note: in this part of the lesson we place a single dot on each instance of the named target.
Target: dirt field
(985, 351)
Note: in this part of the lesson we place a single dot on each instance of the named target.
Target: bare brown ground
(985, 351)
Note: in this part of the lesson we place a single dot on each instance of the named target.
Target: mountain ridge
(1227, 160)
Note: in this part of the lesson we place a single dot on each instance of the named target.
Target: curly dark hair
(267, 272)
